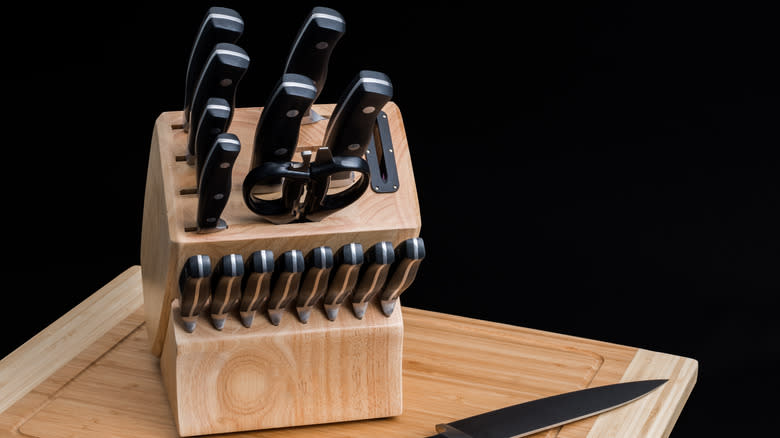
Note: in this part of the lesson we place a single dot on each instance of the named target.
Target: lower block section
(294, 374)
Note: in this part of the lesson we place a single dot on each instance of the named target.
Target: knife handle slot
(189, 191)
(190, 229)
(181, 158)
(177, 126)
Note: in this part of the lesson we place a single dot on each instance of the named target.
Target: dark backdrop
(606, 171)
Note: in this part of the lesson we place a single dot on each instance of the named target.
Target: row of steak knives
(320, 280)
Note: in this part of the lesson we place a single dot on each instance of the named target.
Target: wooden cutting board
(91, 374)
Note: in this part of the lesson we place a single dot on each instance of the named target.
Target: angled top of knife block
(170, 208)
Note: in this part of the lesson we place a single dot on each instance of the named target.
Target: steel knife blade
(351, 126)
(408, 256)
(256, 285)
(214, 120)
(344, 277)
(285, 283)
(373, 274)
(311, 50)
(220, 25)
(226, 65)
(226, 288)
(216, 182)
(194, 288)
(535, 416)
(318, 262)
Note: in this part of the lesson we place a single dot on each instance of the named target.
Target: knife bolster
(293, 374)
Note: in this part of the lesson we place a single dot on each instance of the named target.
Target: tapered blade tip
(359, 309)
(332, 312)
(189, 326)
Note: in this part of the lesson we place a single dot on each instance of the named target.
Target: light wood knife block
(268, 376)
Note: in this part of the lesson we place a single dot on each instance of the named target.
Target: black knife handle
(351, 126)
(373, 273)
(276, 135)
(226, 65)
(214, 120)
(314, 43)
(220, 25)
(256, 285)
(319, 203)
(285, 283)
(216, 182)
(226, 289)
(194, 288)
(319, 263)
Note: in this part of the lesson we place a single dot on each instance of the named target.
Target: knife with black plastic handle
(220, 25)
(344, 277)
(535, 416)
(408, 256)
(214, 120)
(314, 43)
(285, 283)
(351, 126)
(319, 262)
(216, 182)
(373, 274)
(226, 65)
(226, 288)
(194, 288)
(256, 285)
(276, 135)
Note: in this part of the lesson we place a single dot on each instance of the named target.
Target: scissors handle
(319, 203)
(284, 209)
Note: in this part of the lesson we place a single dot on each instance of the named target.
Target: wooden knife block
(268, 376)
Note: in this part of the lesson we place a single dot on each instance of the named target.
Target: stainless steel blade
(535, 416)
(311, 116)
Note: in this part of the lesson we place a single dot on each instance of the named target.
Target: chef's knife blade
(351, 126)
(344, 276)
(276, 135)
(214, 120)
(373, 274)
(226, 290)
(216, 182)
(220, 76)
(220, 25)
(310, 53)
(285, 283)
(408, 256)
(195, 289)
(318, 262)
(535, 416)
(257, 284)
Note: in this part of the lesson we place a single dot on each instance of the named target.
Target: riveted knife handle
(216, 182)
(220, 25)
(214, 120)
(276, 135)
(226, 289)
(314, 43)
(194, 288)
(351, 126)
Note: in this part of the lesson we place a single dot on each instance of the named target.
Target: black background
(606, 171)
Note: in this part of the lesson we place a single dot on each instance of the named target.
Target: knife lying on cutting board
(535, 416)
(310, 53)
(220, 25)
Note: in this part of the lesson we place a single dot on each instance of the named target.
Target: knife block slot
(266, 376)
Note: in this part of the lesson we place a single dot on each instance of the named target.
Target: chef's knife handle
(351, 126)
(216, 182)
(226, 290)
(194, 288)
(276, 135)
(314, 43)
(214, 120)
(220, 25)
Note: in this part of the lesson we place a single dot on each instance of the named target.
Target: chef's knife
(220, 25)
(351, 126)
(214, 120)
(276, 135)
(220, 76)
(226, 288)
(318, 262)
(373, 275)
(310, 53)
(347, 262)
(408, 256)
(256, 285)
(195, 289)
(216, 182)
(285, 283)
(535, 416)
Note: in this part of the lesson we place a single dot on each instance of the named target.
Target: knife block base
(292, 374)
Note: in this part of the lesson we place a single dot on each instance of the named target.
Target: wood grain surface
(110, 384)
